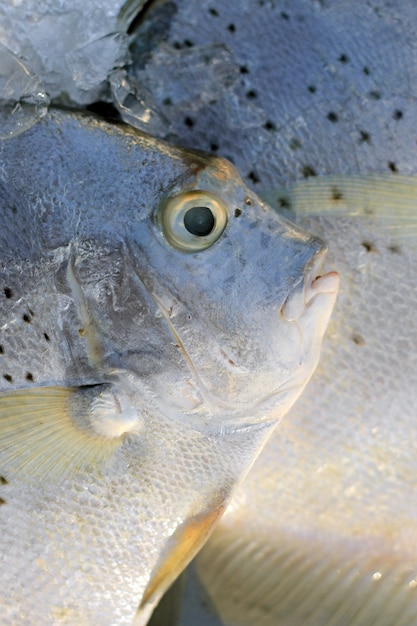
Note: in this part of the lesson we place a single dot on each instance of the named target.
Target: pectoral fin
(52, 432)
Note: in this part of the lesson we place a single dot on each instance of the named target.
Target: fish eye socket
(193, 221)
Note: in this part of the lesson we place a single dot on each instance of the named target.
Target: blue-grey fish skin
(74, 196)
(307, 87)
(139, 377)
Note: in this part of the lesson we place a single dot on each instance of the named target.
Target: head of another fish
(156, 318)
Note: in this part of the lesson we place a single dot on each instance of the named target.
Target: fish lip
(311, 284)
(317, 283)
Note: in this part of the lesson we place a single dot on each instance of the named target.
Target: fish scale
(323, 530)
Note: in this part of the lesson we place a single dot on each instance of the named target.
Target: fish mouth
(313, 283)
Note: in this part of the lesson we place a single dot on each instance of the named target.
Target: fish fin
(54, 432)
(256, 580)
(181, 549)
(168, 610)
(390, 201)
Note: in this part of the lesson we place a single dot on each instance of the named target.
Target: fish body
(156, 321)
(323, 529)
(309, 97)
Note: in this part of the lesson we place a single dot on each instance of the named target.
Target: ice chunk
(191, 76)
(90, 65)
(136, 105)
(23, 100)
(62, 40)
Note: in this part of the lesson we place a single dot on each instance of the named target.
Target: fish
(157, 319)
(314, 114)
(323, 529)
(310, 97)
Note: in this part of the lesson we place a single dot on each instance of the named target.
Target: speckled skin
(89, 290)
(286, 88)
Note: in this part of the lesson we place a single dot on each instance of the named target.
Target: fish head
(237, 290)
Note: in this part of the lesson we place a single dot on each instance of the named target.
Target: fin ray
(390, 201)
(40, 437)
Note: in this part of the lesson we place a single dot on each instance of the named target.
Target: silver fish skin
(323, 529)
(156, 321)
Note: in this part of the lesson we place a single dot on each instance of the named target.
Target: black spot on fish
(47, 338)
(295, 144)
(8, 378)
(366, 70)
(251, 94)
(238, 212)
(1, 349)
(214, 147)
(375, 95)
(269, 125)
(177, 45)
(243, 69)
(392, 166)
(2, 501)
(188, 43)
(213, 12)
(369, 246)
(394, 248)
(253, 176)
(284, 16)
(265, 240)
(3, 481)
(308, 171)
(167, 102)
(189, 122)
(336, 194)
(8, 292)
(358, 339)
(312, 88)
(364, 137)
(343, 58)
(284, 203)
(332, 117)
(26, 318)
(397, 115)
(29, 376)
(231, 28)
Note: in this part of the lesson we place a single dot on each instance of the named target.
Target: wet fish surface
(323, 529)
(309, 97)
(156, 321)
(328, 90)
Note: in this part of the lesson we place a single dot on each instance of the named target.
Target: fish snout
(312, 284)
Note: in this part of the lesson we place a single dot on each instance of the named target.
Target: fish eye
(199, 221)
(193, 221)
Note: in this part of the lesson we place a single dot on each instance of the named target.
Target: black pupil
(199, 221)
